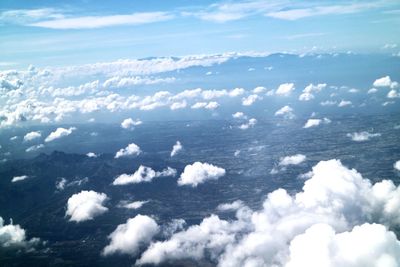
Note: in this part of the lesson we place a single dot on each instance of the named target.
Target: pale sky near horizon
(48, 33)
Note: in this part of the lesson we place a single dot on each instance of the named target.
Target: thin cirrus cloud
(92, 22)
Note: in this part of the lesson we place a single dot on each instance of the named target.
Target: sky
(59, 33)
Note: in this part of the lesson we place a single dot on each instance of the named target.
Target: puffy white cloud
(58, 133)
(364, 245)
(393, 94)
(385, 82)
(197, 173)
(328, 103)
(344, 103)
(259, 90)
(311, 88)
(178, 105)
(130, 123)
(372, 91)
(336, 220)
(19, 178)
(32, 135)
(292, 160)
(248, 101)
(239, 115)
(130, 150)
(236, 92)
(86, 205)
(91, 155)
(176, 148)
(396, 165)
(362, 136)
(285, 89)
(286, 112)
(237, 204)
(212, 105)
(14, 236)
(127, 238)
(248, 125)
(315, 122)
(143, 174)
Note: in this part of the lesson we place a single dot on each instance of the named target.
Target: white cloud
(32, 135)
(60, 132)
(178, 105)
(396, 165)
(303, 229)
(239, 115)
(198, 173)
(129, 237)
(320, 245)
(237, 204)
(286, 112)
(372, 91)
(91, 155)
(311, 88)
(91, 22)
(130, 123)
(34, 148)
(285, 89)
(86, 205)
(212, 105)
(143, 174)
(248, 125)
(60, 184)
(305, 12)
(236, 92)
(19, 178)
(385, 82)
(132, 205)
(328, 103)
(393, 94)
(259, 90)
(13, 236)
(344, 103)
(130, 150)
(362, 136)
(292, 160)
(315, 122)
(248, 101)
(176, 149)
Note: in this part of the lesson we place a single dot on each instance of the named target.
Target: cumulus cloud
(248, 101)
(237, 204)
(176, 149)
(303, 229)
(292, 160)
(60, 132)
(91, 155)
(198, 173)
(143, 174)
(14, 236)
(385, 82)
(285, 89)
(86, 205)
(393, 94)
(127, 238)
(32, 135)
(344, 103)
(248, 125)
(239, 115)
(362, 136)
(130, 150)
(130, 123)
(396, 165)
(19, 178)
(286, 112)
(310, 89)
(315, 122)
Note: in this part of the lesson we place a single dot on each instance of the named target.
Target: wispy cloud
(304, 35)
(91, 22)
(24, 16)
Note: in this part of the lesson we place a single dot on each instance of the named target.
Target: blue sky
(75, 32)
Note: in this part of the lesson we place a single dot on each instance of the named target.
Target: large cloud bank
(86, 205)
(338, 219)
(198, 173)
